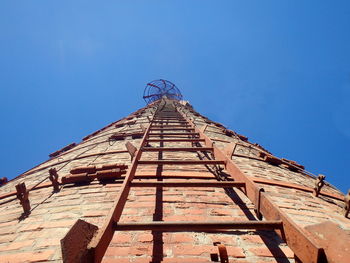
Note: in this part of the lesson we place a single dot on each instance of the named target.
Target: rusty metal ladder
(169, 117)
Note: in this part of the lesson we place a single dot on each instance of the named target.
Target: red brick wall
(36, 238)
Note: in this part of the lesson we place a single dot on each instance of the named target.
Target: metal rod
(171, 126)
(173, 133)
(212, 178)
(198, 226)
(169, 118)
(171, 129)
(177, 162)
(167, 149)
(175, 140)
(188, 184)
(166, 121)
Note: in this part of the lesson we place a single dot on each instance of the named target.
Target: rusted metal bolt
(319, 184)
(22, 195)
(347, 204)
(54, 179)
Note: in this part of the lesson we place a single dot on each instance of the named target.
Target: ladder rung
(175, 177)
(171, 129)
(169, 149)
(172, 117)
(199, 226)
(171, 126)
(174, 122)
(189, 184)
(175, 140)
(165, 119)
(174, 133)
(175, 162)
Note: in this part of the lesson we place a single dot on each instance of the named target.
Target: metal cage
(157, 89)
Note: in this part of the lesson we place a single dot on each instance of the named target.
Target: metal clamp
(258, 203)
(22, 195)
(319, 184)
(54, 179)
(347, 204)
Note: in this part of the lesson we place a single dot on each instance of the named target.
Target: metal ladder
(168, 122)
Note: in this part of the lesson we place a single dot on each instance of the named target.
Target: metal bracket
(129, 123)
(22, 195)
(119, 136)
(347, 204)
(137, 135)
(86, 174)
(258, 203)
(203, 128)
(3, 181)
(222, 252)
(319, 184)
(143, 128)
(74, 244)
(333, 239)
(54, 179)
(131, 149)
(273, 160)
(229, 150)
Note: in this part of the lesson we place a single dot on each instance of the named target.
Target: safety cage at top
(160, 88)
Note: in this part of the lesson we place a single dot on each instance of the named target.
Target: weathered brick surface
(36, 237)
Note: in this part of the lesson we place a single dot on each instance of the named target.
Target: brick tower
(166, 184)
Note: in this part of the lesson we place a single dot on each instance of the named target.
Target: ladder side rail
(100, 242)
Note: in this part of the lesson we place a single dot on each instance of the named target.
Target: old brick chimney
(166, 184)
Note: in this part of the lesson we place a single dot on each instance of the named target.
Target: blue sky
(275, 71)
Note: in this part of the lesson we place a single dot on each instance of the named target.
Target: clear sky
(275, 71)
